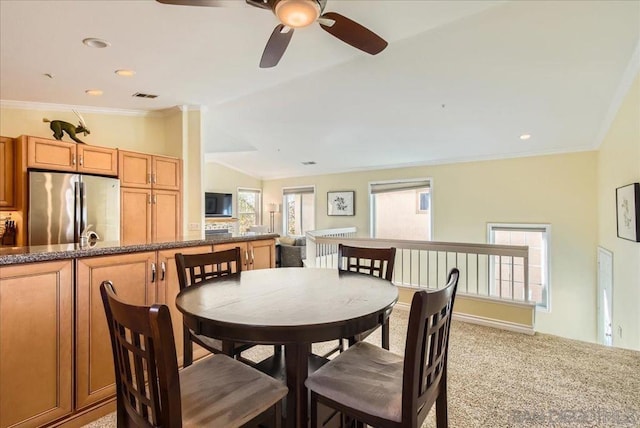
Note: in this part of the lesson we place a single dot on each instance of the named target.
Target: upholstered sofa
(292, 251)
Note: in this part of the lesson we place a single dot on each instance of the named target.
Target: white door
(605, 294)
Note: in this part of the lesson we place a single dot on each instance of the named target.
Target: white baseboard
(488, 322)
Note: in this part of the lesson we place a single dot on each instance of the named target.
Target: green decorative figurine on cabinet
(59, 127)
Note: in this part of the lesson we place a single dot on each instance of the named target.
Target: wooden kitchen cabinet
(62, 156)
(149, 171)
(255, 254)
(36, 321)
(149, 215)
(8, 175)
(134, 278)
(135, 215)
(168, 288)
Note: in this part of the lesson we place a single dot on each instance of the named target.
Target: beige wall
(141, 133)
(220, 178)
(618, 165)
(557, 189)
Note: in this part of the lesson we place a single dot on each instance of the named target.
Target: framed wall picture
(341, 203)
(628, 211)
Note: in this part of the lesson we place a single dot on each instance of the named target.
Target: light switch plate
(194, 226)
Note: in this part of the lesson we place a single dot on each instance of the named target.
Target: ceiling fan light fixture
(297, 13)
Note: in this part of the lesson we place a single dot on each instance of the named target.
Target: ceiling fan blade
(210, 3)
(352, 33)
(276, 46)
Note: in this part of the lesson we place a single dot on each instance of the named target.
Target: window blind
(399, 186)
(298, 190)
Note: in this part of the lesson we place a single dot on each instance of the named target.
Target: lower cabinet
(255, 254)
(168, 289)
(36, 339)
(39, 337)
(134, 278)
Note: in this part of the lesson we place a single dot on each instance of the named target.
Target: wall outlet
(194, 226)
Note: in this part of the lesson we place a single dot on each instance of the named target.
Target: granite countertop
(42, 253)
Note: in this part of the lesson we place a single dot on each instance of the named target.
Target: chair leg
(277, 349)
(385, 334)
(314, 410)
(187, 348)
(277, 411)
(442, 418)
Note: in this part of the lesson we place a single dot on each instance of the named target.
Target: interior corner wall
(140, 133)
(619, 165)
(193, 155)
(554, 189)
(220, 178)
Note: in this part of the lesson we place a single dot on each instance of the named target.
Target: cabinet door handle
(154, 178)
(149, 198)
(73, 159)
(81, 160)
(163, 270)
(155, 199)
(153, 272)
(253, 257)
(246, 258)
(149, 178)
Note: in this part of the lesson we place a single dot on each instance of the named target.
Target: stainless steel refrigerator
(63, 205)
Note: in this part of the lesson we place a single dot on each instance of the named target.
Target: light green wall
(619, 165)
(220, 178)
(557, 189)
(140, 133)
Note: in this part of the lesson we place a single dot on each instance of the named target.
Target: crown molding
(27, 105)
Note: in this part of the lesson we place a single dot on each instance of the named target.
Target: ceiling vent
(141, 95)
(308, 163)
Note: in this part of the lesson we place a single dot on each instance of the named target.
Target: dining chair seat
(365, 377)
(226, 391)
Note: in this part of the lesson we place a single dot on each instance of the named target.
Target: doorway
(605, 297)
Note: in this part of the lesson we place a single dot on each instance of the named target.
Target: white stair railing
(496, 271)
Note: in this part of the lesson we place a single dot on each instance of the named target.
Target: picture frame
(628, 212)
(341, 203)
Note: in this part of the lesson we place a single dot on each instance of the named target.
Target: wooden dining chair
(385, 390)
(150, 392)
(195, 268)
(369, 261)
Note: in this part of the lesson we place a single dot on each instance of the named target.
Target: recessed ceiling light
(125, 73)
(525, 136)
(96, 43)
(94, 92)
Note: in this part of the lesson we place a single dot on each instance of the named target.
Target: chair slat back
(146, 367)
(425, 364)
(370, 261)
(205, 266)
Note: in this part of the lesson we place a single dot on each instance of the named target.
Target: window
(249, 208)
(536, 237)
(298, 210)
(401, 209)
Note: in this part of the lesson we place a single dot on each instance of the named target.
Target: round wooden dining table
(291, 306)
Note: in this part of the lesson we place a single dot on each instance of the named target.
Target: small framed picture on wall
(341, 203)
(628, 211)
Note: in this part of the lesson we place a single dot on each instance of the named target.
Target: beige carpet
(504, 379)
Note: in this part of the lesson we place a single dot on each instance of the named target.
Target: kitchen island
(56, 364)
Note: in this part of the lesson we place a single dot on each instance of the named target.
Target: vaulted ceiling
(460, 80)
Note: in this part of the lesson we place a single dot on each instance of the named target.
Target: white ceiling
(459, 80)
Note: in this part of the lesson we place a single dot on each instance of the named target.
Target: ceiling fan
(297, 14)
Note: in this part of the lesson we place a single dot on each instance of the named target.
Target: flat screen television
(217, 204)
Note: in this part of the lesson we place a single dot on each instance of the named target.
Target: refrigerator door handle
(83, 208)
(77, 228)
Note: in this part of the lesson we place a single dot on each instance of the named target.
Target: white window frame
(259, 203)
(372, 210)
(546, 271)
(292, 189)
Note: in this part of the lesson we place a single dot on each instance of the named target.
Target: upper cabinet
(147, 171)
(7, 176)
(62, 156)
